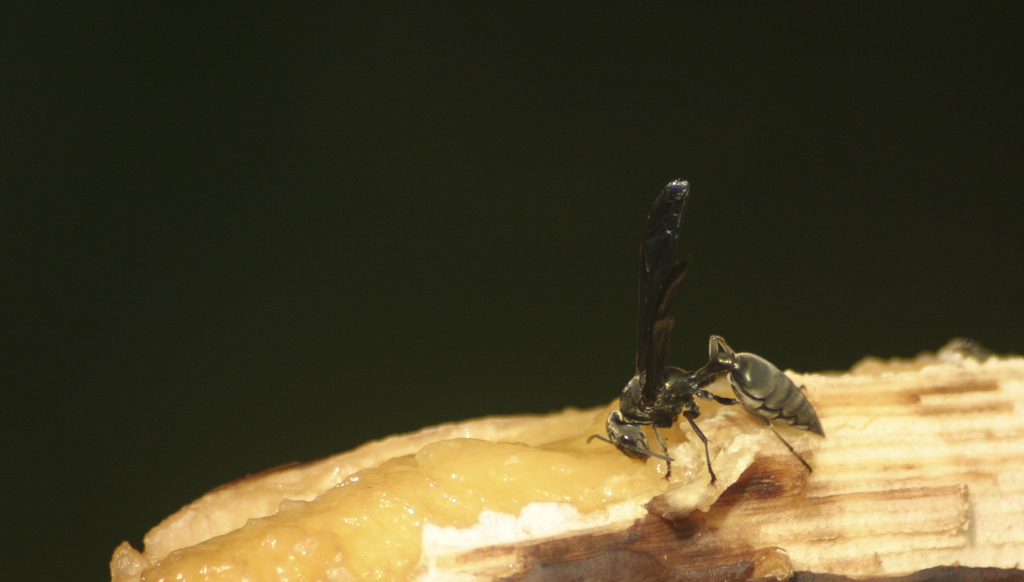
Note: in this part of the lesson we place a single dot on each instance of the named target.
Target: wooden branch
(923, 466)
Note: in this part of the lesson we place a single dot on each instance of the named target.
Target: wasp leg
(690, 415)
(705, 395)
(661, 439)
(664, 447)
(788, 446)
(707, 375)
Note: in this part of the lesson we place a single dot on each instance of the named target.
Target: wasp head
(627, 437)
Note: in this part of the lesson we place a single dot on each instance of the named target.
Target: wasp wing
(661, 333)
(659, 281)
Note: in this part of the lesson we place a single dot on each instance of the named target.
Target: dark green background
(237, 237)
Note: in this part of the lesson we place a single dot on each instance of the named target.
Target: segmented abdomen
(767, 392)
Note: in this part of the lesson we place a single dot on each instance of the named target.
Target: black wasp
(658, 394)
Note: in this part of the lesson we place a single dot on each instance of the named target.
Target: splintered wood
(923, 466)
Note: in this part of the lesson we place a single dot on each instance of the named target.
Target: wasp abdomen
(770, 394)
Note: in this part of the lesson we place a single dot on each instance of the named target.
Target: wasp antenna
(655, 455)
(640, 450)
